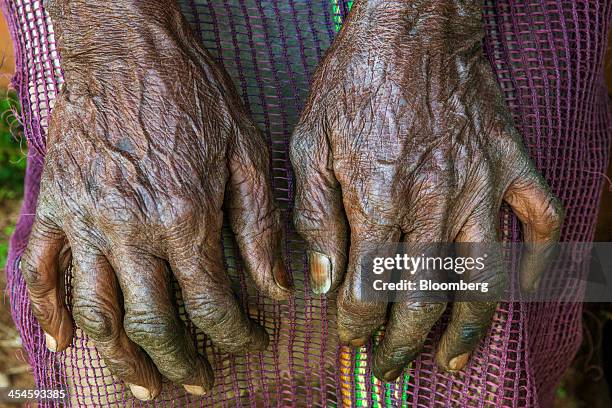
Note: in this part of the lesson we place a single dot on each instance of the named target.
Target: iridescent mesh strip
(548, 57)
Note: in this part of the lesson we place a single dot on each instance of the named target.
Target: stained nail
(320, 272)
(51, 342)
(140, 393)
(459, 362)
(360, 342)
(195, 390)
(392, 374)
(280, 275)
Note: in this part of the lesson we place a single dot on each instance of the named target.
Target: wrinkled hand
(147, 143)
(406, 137)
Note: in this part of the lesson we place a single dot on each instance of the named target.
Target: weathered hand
(406, 137)
(147, 143)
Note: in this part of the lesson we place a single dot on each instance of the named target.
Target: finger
(254, 217)
(98, 311)
(412, 317)
(43, 265)
(318, 214)
(198, 265)
(359, 315)
(151, 320)
(409, 324)
(541, 215)
(471, 320)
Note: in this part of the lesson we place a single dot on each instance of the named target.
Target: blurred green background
(12, 168)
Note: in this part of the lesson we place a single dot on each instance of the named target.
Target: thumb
(541, 215)
(44, 264)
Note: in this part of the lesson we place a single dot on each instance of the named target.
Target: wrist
(422, 23)
(88, 25)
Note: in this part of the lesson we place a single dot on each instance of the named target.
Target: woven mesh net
(548, 57)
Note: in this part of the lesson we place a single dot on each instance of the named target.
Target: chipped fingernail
(50, 342)
(360, 342)
(320, 272)
(195, 389)
(141, 393)
(280, 275)
(459, 362)
(392, 374)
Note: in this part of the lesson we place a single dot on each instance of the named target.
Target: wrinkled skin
(406, 137)
(148, 145)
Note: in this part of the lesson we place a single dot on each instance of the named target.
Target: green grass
(4, 246)
(12, 168)
(12, 150)
(337, 14)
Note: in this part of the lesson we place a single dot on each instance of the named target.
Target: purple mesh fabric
(548, 56)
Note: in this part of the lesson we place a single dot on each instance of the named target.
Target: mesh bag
(548, 57)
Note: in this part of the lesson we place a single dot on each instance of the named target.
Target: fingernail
(195, 390)
(459, 362)
(320, 272)
(360, 342)
(280, 275)
(51, 342)
(392, 374)
(140, 393)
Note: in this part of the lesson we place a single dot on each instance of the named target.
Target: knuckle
(358, 315)
(227, 325)
(422, 309)
(29, 269)
(151, 329)
(38, 282)
(43, 310)
(180, 216)
(211, 314)
(95, 319)
(469, 328)
(423, 312)
(179, 373)
(307, 223)
(296, 148)
(353, 309)
(484, 309)
(470, 333)
(401, 352)
(426, 184)
(263, 225)
(48, 205)
(183, 208)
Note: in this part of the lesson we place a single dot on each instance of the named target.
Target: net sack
(548, 58)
